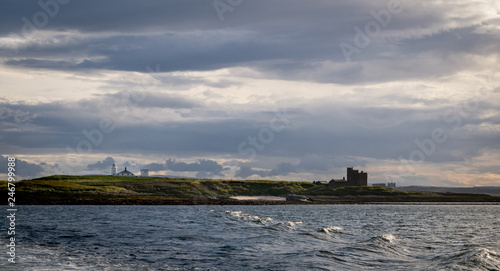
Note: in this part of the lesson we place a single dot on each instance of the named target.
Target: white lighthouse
(113, 170)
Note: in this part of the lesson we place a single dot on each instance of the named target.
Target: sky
(407, 91)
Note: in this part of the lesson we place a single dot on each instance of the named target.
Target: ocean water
(334, 237)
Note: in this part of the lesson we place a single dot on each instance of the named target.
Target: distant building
(144, 172)
(354, 178)
(391, 185)
(125, 173)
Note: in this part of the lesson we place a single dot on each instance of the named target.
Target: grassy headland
(65, 189)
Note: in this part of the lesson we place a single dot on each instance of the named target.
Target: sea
(278, 237)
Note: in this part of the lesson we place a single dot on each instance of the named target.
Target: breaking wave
(331, 229)
(387, 237)
(240, 216)
(270, 222)
(470, 259)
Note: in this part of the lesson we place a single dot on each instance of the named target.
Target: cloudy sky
(237, 89)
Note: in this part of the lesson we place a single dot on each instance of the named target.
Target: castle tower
(113, 170)
(352, 175)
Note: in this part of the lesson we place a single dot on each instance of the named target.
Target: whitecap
(474, 259)
(239, 215)
(330, 229)
(484, 257)
(293, 224)
(388, 237)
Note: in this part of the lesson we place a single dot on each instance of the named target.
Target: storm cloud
(370, 84)
(22, 168)
(101, 165)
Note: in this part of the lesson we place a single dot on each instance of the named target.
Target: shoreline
(236, 202)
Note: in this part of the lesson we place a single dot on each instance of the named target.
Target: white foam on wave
(37, 257)
(388, 237)
(330, 229)
(471, 259)
(239, 215)
(268, 221)
(293, 224)
(484, 256)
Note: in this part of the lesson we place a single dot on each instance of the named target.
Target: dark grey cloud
(172, 52)
(102, 165)
(177, 15)
(99, 16)
(327, 133)
(203, 165)
(205, 168)
(282, 169)
(281, 39)
(313, 162)
(155, 167)
(22, 168)
(57, 124)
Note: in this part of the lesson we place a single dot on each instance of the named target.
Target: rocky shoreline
(79, 199)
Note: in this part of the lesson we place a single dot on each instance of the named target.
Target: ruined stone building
(354, 178)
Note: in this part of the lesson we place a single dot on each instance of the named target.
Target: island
(123, 190)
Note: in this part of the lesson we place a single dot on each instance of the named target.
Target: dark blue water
(336, 237)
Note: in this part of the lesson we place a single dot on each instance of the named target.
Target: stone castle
(354, 178)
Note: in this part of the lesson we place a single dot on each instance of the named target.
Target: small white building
(144, 172)
(125, 173)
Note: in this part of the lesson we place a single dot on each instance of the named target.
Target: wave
(331, 229)
(283, 225)
(390, 244)
(388, 237)
(471, 259)
(36, 257)
(271, 223)
(328, 234)
(239, 215)
(383, 239)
